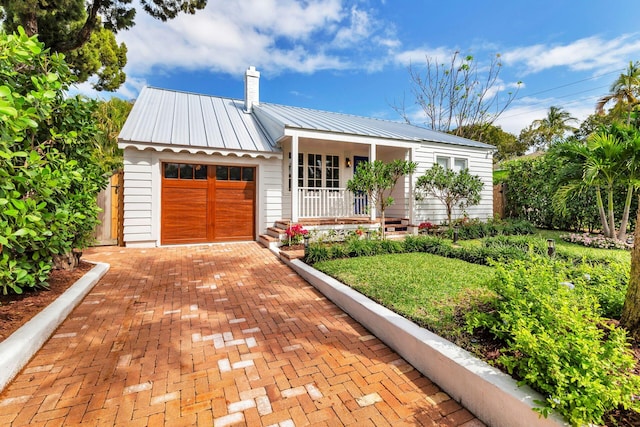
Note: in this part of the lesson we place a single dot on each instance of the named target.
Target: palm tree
(554, 126)
(592, 165)
(110, 117)
(624, 92)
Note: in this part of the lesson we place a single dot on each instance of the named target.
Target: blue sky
(351, 56)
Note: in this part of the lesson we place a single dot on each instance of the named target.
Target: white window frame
(451, 161)
(303, 169)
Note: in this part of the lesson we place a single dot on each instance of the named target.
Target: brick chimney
(251, 88)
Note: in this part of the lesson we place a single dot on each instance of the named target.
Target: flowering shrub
(596, 241)
(295, 234)
(425, 227)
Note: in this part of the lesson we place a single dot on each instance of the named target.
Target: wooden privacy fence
(499, 200)
(110, 231)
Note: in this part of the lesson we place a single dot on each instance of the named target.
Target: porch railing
(330, 203)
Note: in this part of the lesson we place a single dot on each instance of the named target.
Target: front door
(361, 202)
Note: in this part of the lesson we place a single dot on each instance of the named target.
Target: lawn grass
(424, 288)
(430, 290)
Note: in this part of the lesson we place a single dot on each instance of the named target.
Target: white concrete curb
(19, 348)
(488, 393)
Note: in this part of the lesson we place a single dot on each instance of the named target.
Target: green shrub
(50, 171)
(523, 243)
(606, 282)
(558, 343)
(477, 229)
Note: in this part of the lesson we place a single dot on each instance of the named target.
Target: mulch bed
(16, 310)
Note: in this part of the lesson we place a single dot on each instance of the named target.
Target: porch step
(396, 225)
(277, 232)
(267, 241)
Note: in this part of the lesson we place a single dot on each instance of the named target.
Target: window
(443, 161)
(333, 172)
(459, 163)
(317, 171)
(235, 173)
(184, 171)
(300, 170)
(314, 165)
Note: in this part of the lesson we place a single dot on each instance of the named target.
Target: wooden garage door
(205, 203)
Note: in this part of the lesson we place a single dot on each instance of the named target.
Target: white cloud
(360, 28)
(274, 35)
(591, 53)
(525, 110)
(417, 56)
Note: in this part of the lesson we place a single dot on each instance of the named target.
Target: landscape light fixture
(306, 244)
(551, 247)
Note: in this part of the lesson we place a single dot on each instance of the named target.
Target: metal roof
(173, 118)
(304, 118)
(180, 120)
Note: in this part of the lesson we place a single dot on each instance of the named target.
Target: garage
(207, 203)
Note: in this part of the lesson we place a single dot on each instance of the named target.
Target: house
(201, 168)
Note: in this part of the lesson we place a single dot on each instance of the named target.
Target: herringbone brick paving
(217, 335)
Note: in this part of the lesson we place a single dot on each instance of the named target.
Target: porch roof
(278, 117)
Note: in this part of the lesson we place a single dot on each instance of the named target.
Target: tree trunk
(68, 261)
(30, 24)
(622, 233)
(630, 318)
(612, 224)
(83, 35)
(603, 215)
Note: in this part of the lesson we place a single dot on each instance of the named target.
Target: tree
(85, 30)
(625, 92)
(378, 179)
(110, 117)
(609, 158)
(452, 188)
(530, 185)
(548, 131)
(48, 168)
(456, 96)
(630, 318)
(507, 144)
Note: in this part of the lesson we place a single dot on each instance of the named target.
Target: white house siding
(143, 185)
(480, 162)
(402, 192)
(138, 198)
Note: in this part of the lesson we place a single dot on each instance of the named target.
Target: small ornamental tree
(377, 180)
(452, 188)
(49, 175)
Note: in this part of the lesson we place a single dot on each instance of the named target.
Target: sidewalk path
(216, 335)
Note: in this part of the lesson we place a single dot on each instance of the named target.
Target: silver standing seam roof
(168, 117)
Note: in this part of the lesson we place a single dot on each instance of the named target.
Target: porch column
(411, 186)
(372, 158)
(294, 178)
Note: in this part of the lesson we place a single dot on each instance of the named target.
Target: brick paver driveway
(216, 336)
